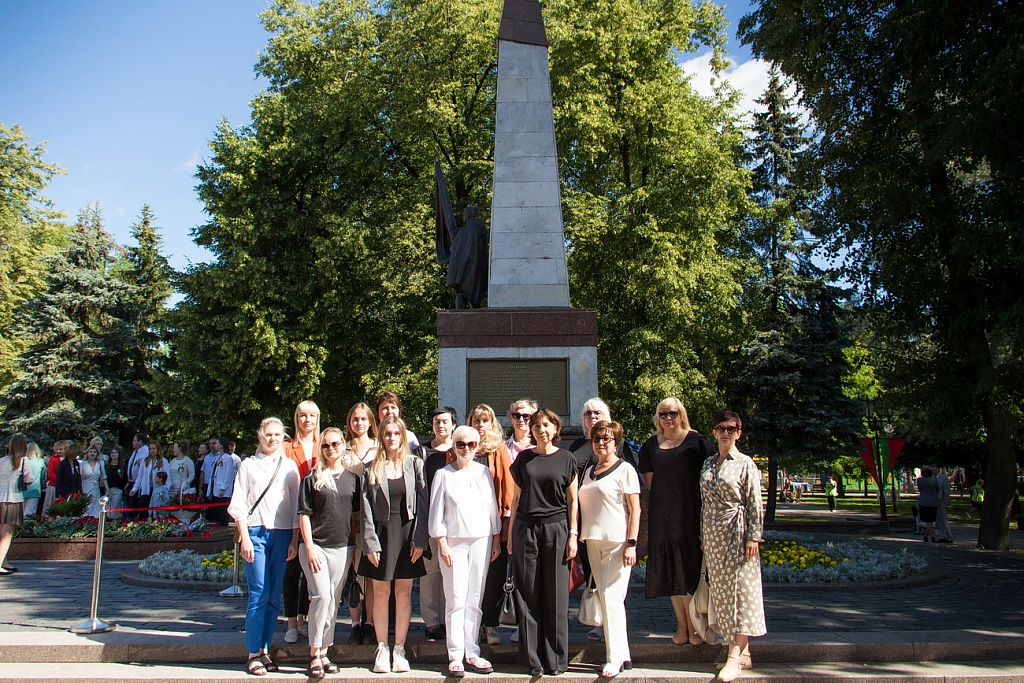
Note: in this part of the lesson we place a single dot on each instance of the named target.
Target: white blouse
(279, 508)
(605, 515)
(463, 504)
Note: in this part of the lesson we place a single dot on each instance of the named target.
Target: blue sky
(127, 93)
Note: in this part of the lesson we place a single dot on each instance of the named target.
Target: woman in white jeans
(328, 504)
(609, 496)
(464, 520)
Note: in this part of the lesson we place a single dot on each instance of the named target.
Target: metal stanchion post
(93, 624)
(234, 590)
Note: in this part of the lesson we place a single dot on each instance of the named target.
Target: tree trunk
(1000, 480)
(773, 488)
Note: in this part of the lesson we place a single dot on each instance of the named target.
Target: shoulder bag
(507, 609)
(238, 534)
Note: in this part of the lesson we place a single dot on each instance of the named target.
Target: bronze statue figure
(464, 250)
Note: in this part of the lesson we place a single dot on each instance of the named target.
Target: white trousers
(432, 590)
(463, 593)
(612, 580)
(31, 506)
(942, 528)
(325, 588)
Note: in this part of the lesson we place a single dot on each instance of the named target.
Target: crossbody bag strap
(269, 484)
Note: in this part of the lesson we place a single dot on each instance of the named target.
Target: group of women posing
(361, 498)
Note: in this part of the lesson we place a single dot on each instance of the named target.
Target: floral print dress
(731, 515)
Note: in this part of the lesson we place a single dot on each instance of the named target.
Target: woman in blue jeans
(264, 505)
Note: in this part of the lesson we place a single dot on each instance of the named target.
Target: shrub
(185, 565)
(69, 506)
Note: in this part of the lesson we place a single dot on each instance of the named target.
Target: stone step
(34, 646)
(1006, 671)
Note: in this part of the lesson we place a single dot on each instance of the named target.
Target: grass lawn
(856, 502)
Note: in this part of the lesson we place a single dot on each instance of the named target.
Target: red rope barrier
(193, 506)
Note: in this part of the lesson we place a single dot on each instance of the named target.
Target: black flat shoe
(10, 570)
(536, 671)
(356, 636)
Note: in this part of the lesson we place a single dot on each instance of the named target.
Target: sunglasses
(331, 445)
(521, 416)
(603, 439)
(591, 413)
(668, 414)
(731, 429)
(463, 445)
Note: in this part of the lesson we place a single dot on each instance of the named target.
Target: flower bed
(186, 565)
(791, 558)
(115, 530)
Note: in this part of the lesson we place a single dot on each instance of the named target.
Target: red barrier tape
(194, 506)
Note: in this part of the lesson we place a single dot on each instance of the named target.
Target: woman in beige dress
(731, 526)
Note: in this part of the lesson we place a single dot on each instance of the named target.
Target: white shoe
(399, 663)
(492, 635)
(515, 637)
(291, 635)
(382, 663)
(596, 633)
(303, 628)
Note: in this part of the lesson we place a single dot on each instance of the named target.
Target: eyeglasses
(668, 414)
(331, 445)
(603, 439)
(521, 416)
(730, 429)
(463, 445)
(591, 413)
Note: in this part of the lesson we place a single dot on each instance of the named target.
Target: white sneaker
(399, 663)
(515, 637)
(382, 663)
(303, 628)
(291, 635)
(492, 635)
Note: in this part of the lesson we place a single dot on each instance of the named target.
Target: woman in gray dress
(731, 526)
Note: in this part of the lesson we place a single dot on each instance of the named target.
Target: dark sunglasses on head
(666, 414)
(463, 445)
(332, 445)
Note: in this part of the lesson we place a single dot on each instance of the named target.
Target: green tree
(75, 377)
(787, 377)
(917, 106)
(30, 230)
(652, 188)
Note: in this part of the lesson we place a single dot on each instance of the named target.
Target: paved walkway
(973, 590)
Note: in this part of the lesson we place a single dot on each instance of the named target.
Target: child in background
(161, 495)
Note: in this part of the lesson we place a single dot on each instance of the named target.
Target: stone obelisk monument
(528, 342)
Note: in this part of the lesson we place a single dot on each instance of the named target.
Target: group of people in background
(469, 507)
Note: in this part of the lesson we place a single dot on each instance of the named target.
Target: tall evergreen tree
(30, 230)
(787, 378)
(76, 377)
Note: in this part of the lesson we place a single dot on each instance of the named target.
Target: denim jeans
(265, 576)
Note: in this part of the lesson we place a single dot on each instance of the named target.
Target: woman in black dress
(670, 462)
(394, 530)
(545, 530)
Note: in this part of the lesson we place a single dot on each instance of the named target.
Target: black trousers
(219, 514)
(295, 592)
(137, 501)
(494, 590)
(542, 593)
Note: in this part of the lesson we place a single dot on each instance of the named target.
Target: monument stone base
(496, 356)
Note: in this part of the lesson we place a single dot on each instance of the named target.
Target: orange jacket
(293, 449)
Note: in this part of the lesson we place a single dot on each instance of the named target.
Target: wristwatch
(631, 542)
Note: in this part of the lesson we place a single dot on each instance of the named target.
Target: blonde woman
(329, 500)
(302, 451)
(394, 529)
(493, 452)
(670, 463)
(12, 466)
(37, 466)
(264, 504)
(361, 435)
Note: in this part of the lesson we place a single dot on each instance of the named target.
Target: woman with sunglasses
(464, 520)
(609, 523)
(329, 500)
(670, 462)
(519, 415)
(731, 526)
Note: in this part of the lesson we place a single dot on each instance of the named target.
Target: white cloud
(190, 164)
(749, 79)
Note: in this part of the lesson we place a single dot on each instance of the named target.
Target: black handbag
(353, 593)
(21, 486)
(507, 610)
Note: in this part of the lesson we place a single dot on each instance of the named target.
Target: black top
(115, 475)
(542, 480)
(396, 491)
(69, 478)
(330, 512)
(432, 463)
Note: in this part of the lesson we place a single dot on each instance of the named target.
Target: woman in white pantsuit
(464, 520)
(609, 495)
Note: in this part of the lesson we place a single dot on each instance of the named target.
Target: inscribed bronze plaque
(499, 382)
